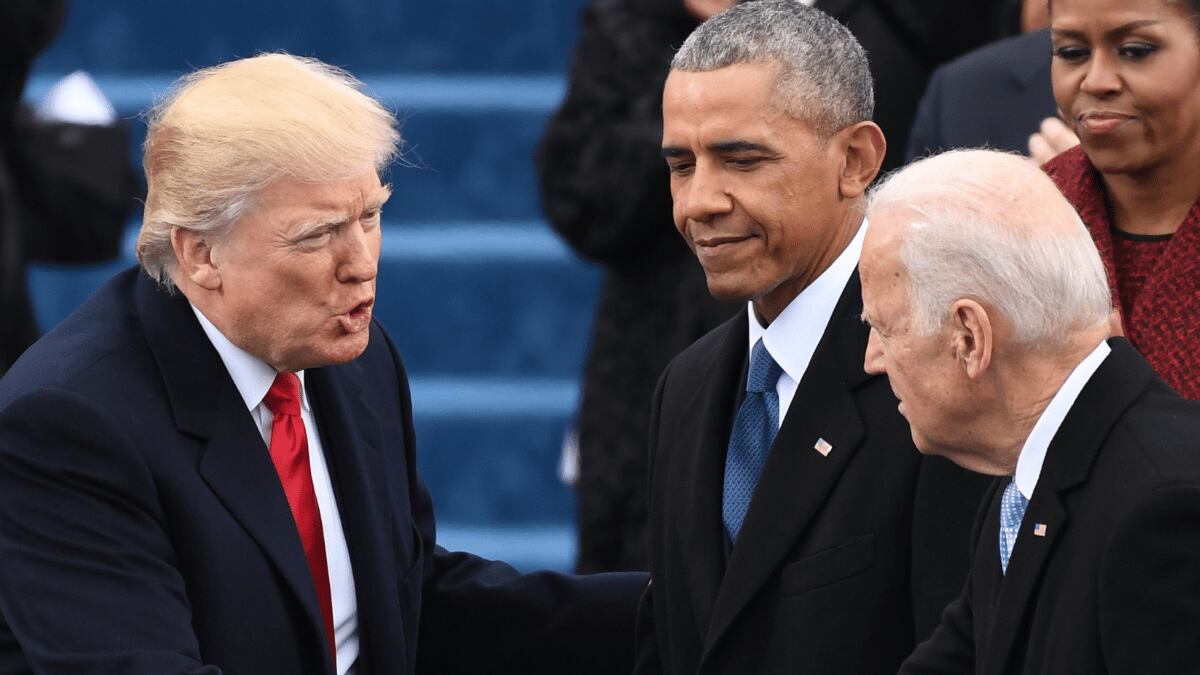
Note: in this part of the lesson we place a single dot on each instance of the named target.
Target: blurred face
(755, 190)
(1126, 76)
(921, 368)
(297, 274)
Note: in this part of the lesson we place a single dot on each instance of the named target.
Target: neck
(1155, 201)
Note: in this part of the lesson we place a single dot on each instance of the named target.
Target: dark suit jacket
(842, 560)
(1112, 585)
(995, 96)
(143, 528)
(905, 40)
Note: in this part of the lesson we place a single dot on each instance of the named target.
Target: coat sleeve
(90, 582)
(1150, 585)
(481, 616)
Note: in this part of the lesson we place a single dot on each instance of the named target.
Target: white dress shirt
(253, 378)
(794, 335)
(1033, 453)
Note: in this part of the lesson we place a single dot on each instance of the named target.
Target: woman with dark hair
(1126, 77)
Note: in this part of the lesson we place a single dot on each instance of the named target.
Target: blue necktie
(1012, 510)
(754, 430)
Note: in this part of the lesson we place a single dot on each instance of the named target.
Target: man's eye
(680, 168)
(743, 162)
(1071, 54)
(316, 240)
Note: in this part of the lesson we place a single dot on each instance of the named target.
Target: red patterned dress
(1155, 280)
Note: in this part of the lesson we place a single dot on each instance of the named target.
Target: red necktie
(289, 452)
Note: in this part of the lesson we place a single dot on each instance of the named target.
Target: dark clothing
(995, 96)
(905, 40)
(66, 191)
(843, 561)
(605, 191)
(143, 527)
(1109, 584)
(1163, 322)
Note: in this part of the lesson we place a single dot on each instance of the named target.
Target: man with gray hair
(989, 313)
(210, 467)
(793, 526)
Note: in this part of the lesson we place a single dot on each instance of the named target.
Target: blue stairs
(490, 311)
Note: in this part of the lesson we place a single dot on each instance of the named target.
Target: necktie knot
(283, 398)
(763, 372)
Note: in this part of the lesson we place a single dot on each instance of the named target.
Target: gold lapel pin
(823, 447)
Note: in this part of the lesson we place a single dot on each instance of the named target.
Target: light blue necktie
(754, 430)
(1012, 510)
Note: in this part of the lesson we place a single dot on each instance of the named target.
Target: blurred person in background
(998, 96)
(1126, 76)
(604, 189)
(66, 188)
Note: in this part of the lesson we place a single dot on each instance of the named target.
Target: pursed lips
(1101, 122)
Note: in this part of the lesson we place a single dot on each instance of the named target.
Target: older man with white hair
(210, 467)
(989, 312)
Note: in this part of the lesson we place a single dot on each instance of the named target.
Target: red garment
(1163, 320)
(289, 453)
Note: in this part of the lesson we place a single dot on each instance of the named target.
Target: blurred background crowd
(531, 274)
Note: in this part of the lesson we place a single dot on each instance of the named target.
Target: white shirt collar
(793, 336)
(251, 375)
(1033, 453)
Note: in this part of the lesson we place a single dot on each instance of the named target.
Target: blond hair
(224, 133)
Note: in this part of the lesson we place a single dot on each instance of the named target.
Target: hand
(703, 9)
(1052, 139)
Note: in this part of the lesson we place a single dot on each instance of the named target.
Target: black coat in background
(1112, 583)
(905, 41)
(996, 96)
(844, 561)
(605, 191)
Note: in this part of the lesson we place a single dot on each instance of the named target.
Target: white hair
(823, 76)
(991, 226)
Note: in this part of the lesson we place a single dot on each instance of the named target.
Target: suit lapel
(235, 463)
(1114, 386)
(350, 436)
(797, 479)
(702, 532)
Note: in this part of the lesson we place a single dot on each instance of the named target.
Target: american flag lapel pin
(822, 446)
(1039, 530)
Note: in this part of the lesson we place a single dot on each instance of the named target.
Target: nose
(1102, 77)
(360, 255)
(703, 195)
(873, 359)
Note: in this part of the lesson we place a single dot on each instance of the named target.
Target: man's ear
(973, 337)
(863, 147)
(194, 254)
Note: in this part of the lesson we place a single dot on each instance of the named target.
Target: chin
(723, 287)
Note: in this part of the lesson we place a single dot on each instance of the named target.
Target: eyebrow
(1119, 30)
(720, 148)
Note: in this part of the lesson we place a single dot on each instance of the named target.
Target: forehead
(1083, 14)
(880, 267)
(737, 99)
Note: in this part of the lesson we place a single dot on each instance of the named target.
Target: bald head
(990, 226)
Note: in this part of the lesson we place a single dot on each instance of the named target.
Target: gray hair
(225, 133)
(823, 77)
(991, 226)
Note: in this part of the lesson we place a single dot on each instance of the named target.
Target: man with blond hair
(989, 313)
(210, 467)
